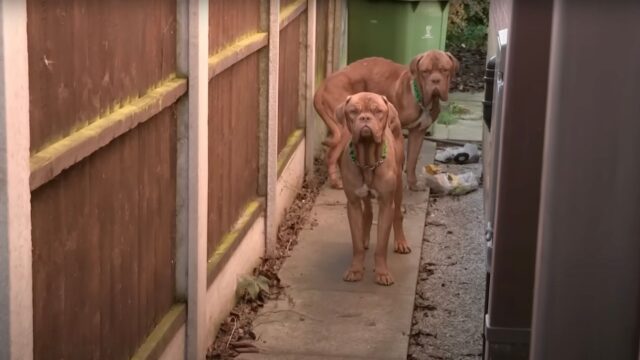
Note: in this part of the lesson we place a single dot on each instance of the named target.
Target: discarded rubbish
(466, 154)
(450, 184)
(432, 169)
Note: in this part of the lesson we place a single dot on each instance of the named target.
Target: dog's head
(367, 115)
(434, 71)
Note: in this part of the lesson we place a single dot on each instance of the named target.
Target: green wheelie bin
(395, 29)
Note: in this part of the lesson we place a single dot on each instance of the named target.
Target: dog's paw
(384, 278)
(336, 183)
(418, 186)
(353, 275)
(402, 247)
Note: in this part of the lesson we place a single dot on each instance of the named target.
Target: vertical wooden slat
(77, 270)
(272, 127)
(233, 145)
(47, 258)
(198, 177)
(103, 243)
(289, 81)
(16, 306)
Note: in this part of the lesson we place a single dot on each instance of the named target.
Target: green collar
(415, 89)
(352, 154)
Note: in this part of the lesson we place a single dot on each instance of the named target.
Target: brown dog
(415, 91)
(372, 167)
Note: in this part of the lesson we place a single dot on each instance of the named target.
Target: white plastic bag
(450, 184)
(468, 153)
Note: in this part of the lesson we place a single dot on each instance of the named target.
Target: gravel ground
(448, 314)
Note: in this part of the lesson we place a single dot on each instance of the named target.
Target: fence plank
(86, 56)
(91, 226)
(230, 21)
(236, 52)
(290, 10)
(53, 159)
(289, 81)
(233, 145)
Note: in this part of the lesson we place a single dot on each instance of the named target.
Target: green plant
(251, 286)
(468, 22)
(457, 109)
(446, 118)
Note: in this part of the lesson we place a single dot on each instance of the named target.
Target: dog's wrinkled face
(434, 70)
(366, 115)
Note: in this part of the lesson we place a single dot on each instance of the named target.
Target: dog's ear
(341, 116)
(393, 119)
(456, 64)
(413, 66)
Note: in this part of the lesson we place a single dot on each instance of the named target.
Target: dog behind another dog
(414, 90)
(371, 167)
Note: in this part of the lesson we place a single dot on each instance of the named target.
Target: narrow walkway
(322, 316)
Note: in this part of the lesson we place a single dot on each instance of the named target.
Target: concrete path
(468, 126)
(327, 318)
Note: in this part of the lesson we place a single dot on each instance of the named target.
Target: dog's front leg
(355, 216)
(385, 219)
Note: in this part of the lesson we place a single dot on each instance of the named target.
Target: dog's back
(372, 74)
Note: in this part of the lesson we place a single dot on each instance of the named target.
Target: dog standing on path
(415, 91)
(371, 167)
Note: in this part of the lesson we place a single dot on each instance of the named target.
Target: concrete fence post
(198, 172)
(16, 292)
(271, 228)
(310, 129)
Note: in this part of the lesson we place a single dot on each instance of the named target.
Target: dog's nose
(435, 81)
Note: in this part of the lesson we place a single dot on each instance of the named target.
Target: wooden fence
(109, 166)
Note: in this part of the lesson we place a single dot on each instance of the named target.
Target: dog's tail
(327, 113)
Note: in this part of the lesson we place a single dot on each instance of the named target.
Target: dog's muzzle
(366, 132)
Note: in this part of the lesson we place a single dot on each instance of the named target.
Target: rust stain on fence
(233, 145)
(103, 246)
(86, 55)
(289, 81)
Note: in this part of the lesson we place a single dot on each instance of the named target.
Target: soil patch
(470, 77)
